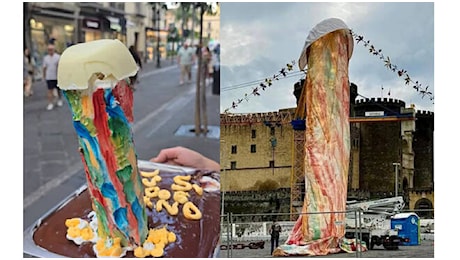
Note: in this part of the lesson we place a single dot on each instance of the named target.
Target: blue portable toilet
(408, 226)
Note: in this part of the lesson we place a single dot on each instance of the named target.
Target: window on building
(272, 164)
(233, 165)
(272, 130)
(209, 25)
(356, 143)
(233, 149)
(117, 5)
(253, 148)
(253, 133)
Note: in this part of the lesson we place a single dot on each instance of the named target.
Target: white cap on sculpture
(321, 29)
(104, 61)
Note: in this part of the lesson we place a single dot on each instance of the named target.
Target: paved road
(52, 166)
(424, 250)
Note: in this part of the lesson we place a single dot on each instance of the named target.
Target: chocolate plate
(195, 238)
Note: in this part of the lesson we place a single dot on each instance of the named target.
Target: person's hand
(185, 157)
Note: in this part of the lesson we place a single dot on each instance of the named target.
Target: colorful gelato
(93, 79)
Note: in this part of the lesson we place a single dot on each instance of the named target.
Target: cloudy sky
(258, 39)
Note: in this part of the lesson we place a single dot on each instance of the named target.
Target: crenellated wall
(390, 106)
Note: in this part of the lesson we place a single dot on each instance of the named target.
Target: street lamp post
(396, 177)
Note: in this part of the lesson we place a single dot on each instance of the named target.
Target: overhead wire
(257, 82)
(290, 75)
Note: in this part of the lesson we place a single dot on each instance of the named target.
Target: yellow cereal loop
(171, 209)
(162, 242)
(181, 183)
(155, 243)
(180, 196)
(157, 178)
(197, 189)
(164, 194)
(157, 252)
(72, 222)
(162, 231)
(191, 211)
(182, 178)
(149, 183)
(171, 237)
(176, 187)
(73, 232)
(87, 233)
(154, 239)
(114, 250)
(152, 192)
(152, 235)
(150, 174)
(148, 202)
(140, 252)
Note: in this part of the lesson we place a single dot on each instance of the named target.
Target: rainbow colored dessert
(93, 77)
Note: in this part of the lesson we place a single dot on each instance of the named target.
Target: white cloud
(260, 38)
(242, 44)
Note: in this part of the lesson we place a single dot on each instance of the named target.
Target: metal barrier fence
(233, 233)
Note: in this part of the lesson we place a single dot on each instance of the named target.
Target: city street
(52, 164)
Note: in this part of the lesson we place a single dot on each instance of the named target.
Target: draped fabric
(327, 146)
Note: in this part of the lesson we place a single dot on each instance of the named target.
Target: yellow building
(211, 25)
(256, 151)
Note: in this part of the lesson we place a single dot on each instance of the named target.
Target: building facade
(255, 151)
(144, 25)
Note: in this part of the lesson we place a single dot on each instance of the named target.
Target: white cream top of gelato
(110, 59)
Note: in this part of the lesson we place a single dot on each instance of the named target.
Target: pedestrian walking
(134, 79)
(24, 73)
(50, 67)
(275, 230)
(185, 59)
(207, 63)
(29, 64)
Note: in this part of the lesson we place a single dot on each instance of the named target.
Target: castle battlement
(425, 113)
(380, 101)
(283, 117)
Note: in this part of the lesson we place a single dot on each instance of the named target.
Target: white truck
(371, 220)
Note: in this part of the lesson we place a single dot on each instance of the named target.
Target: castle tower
(380, 145)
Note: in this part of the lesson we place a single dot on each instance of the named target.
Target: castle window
(233, 165)
(253, 133)
(356, 143)
(253, 148)
(272, 164)
(233, 149)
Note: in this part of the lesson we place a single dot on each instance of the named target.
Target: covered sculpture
(326, 54)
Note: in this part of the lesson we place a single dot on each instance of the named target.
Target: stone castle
(262, 158)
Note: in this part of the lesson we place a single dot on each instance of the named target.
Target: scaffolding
(298, 175)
